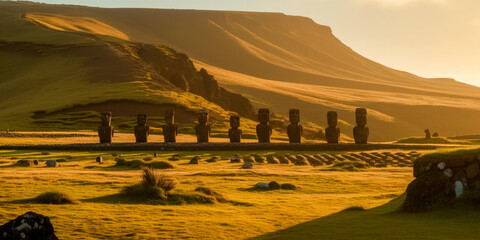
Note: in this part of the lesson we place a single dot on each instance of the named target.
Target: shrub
(54, 198)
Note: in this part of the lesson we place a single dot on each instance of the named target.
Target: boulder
(448, 172)
(35, 162)
(25, 163)
(271, 159)
(155, 155)
(427, 190)
(194, 160)
(235, 160)
(273, 185)
(28, 226)
(262, 185)
(247, 166)
(248, 159)
(259, 159)
(441, 165)
(99, 159)
(472, 170)
(51, 163)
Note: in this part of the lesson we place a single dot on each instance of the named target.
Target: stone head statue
(142, 119)
(294, 115)
(361, 116)
(170, 117)
(106, 118)
(263, 115)
(203, 116)
(234, 121)
(332, 118)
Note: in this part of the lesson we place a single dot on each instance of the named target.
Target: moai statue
(361, 131)
(202, 130)
(170, 128)
(142, 130)
(234, 133)
(427, 134)
(264, 130)
(105, 131)
(332, 132)
(294, 130)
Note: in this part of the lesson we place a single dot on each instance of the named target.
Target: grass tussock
(138, 164)
(154, 186)
(54, 198)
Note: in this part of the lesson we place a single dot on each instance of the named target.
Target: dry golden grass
(100, 214)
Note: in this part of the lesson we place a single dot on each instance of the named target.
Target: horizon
(430, 53)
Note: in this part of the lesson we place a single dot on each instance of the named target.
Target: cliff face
(179, 70)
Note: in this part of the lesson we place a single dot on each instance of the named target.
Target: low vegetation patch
(54, 198)
(351, 166)
(422, 140)
(137, 164)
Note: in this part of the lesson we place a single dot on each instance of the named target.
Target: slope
(53, 80)
(284, 62)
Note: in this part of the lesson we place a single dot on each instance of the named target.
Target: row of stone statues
(264, 129)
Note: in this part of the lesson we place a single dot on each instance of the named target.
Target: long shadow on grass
(177, 197)
(386, 222)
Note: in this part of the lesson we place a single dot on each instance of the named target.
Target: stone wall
(440, 178)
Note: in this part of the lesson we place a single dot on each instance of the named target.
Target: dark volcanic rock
(181, 72)
(425, 191)
(29, 226)
(51, 163)
(273, 185)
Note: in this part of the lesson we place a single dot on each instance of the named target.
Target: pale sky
(430, 38)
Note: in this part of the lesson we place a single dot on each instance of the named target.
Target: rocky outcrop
(29, 226)
(441, 178)
(179, 70)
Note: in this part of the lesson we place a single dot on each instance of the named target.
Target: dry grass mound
(54, 198)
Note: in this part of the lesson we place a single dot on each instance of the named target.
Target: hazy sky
(430, 38)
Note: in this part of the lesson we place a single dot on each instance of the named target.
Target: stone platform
(222, 147)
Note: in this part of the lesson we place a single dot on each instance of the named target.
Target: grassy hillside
(275, 60)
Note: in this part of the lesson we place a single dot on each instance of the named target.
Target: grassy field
(103, 214)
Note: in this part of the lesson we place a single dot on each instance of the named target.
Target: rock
(194, 160)
(472, 170)
(273, 185)
(288, 186)
(271, 159)
(51, 163)
(247, 166)
(448, 172)
(155, 155)
(248, 159)
(235, 160)
(99, 159)
(430, 188)
(35, 162)
(25, 163)
(262, 185)
(441, 165)
(259, 159)
(283, 160)
(458, 189)
(29, 226)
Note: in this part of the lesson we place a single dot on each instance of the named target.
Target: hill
(275, 60)
(57, 80)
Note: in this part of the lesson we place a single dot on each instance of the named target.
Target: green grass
(423, 140)
(237, 214)
(387, 222)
